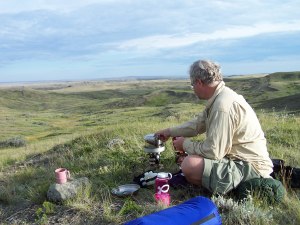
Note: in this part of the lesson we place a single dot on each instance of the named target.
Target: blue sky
(94, 39)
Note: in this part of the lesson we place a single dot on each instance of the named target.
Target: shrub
(13, 142)
(243, 212)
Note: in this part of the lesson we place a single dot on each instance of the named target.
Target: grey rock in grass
(68, 190)
(114, 142)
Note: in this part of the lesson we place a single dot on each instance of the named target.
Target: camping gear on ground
(287, 174)
(62, 175)
(292, 176)
(126, 190)
(198, 210)
(278, 168)
(145, 179)
(162, 188)
(268, 188)
(163, 199)
(162, 182)
(154, 146)
(178, 180)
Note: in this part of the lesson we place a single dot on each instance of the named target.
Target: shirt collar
(219, 88)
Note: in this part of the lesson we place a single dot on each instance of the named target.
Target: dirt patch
(28, 215)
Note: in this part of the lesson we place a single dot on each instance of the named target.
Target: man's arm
(191, 128)
(218, 140)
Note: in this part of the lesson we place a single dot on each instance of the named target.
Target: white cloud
(232, 32)
(15, 6)
(135, 33)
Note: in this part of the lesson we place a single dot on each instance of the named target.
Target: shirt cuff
(188, 146)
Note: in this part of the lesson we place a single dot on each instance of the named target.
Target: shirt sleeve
(218, 140)
(191, 128)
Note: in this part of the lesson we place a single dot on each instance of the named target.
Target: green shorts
(221, 176)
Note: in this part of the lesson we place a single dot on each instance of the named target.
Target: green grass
(71, 128)
(279, 90)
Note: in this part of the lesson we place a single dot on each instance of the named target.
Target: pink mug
(62, 175)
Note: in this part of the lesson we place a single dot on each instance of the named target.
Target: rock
(68, 190)
(114, 142)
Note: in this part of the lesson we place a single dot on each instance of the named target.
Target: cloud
(14, 6)
(232, 32)
(100, 34)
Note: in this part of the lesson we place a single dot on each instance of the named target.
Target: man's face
(197, 86)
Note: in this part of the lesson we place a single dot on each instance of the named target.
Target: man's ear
(200, 82)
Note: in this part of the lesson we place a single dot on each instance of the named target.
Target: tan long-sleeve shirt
(232, 130)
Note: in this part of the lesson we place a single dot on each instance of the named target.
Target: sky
(103, 39)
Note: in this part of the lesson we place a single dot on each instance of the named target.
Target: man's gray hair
(206, 71)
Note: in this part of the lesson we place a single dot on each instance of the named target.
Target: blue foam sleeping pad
(196, 211)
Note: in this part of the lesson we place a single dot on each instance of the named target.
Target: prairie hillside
(69, 124)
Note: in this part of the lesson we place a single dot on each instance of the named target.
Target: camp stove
(154, 146)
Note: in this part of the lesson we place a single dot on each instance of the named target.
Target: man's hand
(163, 135)
(178, 143)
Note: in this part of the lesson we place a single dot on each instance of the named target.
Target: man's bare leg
(192, 168)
